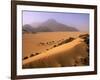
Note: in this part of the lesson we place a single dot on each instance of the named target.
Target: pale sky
(77, 20)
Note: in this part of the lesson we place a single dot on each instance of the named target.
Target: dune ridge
(67, 54)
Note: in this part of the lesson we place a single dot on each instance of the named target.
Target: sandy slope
(64, 55)
(31, 42)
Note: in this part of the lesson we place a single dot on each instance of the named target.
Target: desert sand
(73, 53)
(42, 41)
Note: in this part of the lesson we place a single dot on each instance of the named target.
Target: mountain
(53, 25)
(27, 28)
(50, 25)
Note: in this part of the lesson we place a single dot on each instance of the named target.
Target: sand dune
(68, 54)
(42, 41)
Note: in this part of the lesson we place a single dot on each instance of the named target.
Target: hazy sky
(77, 20)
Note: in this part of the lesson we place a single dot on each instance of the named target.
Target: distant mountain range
(50, 25)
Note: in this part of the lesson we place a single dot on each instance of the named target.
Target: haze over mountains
(50, 25)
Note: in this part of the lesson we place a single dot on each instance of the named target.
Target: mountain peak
(51, 21)
(50, 25)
